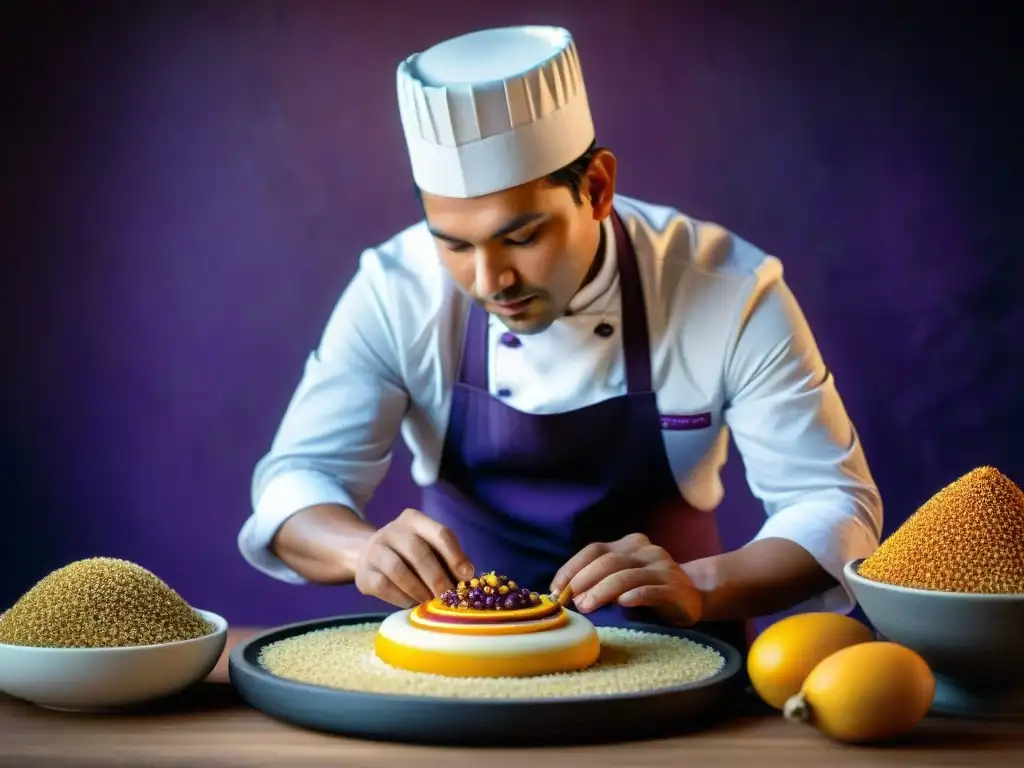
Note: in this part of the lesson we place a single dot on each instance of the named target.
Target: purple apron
(524, 493)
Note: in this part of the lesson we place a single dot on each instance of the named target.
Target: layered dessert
(489, 626)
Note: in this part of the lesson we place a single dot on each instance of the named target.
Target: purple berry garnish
(478, 605)
(509, 602)
(476, 594)
(489, 601)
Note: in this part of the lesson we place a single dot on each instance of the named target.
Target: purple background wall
(187, 186)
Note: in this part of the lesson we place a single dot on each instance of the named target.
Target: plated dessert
(489, 626)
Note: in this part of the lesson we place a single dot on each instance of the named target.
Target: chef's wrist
(323, 543)
(726, 593)
(702, 580)
(763, 578)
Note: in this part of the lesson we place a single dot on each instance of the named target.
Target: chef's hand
(410, 561)
(634, 573)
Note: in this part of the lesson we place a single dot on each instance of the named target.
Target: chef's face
(523, 253)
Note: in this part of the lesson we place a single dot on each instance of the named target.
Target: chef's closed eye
(520, 240)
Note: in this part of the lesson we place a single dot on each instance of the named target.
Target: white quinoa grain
(630, 662)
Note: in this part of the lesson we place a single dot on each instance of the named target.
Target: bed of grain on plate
(630, 662)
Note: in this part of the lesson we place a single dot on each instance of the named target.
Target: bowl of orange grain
(949, 584)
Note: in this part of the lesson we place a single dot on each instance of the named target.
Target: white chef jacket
(727, 337)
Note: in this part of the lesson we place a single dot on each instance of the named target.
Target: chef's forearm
(323, 543)
(762, 578)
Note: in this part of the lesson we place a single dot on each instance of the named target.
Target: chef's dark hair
(570, 175)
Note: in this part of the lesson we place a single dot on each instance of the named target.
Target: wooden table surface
(210, 726)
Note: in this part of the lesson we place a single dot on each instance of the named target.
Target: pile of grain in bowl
(630, 662)
(968, 538)
(100, 602)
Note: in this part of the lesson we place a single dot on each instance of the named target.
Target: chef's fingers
(599, 569)
(630, 542)
(445, 543)
(370, 581)
(662, 597)
(384, 559)
(392, 594)
(614, 585)
(577, 563)
(422, 558)
(652, 554)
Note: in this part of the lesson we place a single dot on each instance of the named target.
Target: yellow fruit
(869, 692)
(782, 656)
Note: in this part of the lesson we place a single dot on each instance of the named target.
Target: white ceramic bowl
(972, 642)
(91, 679)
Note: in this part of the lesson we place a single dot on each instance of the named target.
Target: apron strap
(636, 342)
(473, 369)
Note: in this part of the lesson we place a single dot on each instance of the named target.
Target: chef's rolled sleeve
(334, 443)
(801, 452)
(284, 495)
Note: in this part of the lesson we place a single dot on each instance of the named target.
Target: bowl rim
(850, 572)
(220, 630)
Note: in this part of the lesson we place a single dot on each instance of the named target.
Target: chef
(566, 365)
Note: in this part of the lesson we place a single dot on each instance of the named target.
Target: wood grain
(209, 726)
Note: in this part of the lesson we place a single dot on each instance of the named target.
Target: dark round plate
(483, 722)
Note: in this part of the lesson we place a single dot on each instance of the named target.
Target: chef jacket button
(511, 340)
(604, 330)
(504, 392)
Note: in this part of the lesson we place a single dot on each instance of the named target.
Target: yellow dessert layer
(466, 665)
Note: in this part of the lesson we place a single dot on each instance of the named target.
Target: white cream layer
(576, 631)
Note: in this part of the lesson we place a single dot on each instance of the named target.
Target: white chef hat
(493, 109)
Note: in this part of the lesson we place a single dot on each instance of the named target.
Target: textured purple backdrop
(187, 187)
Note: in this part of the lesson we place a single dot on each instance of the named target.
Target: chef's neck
(598, 278)
(595, 265)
